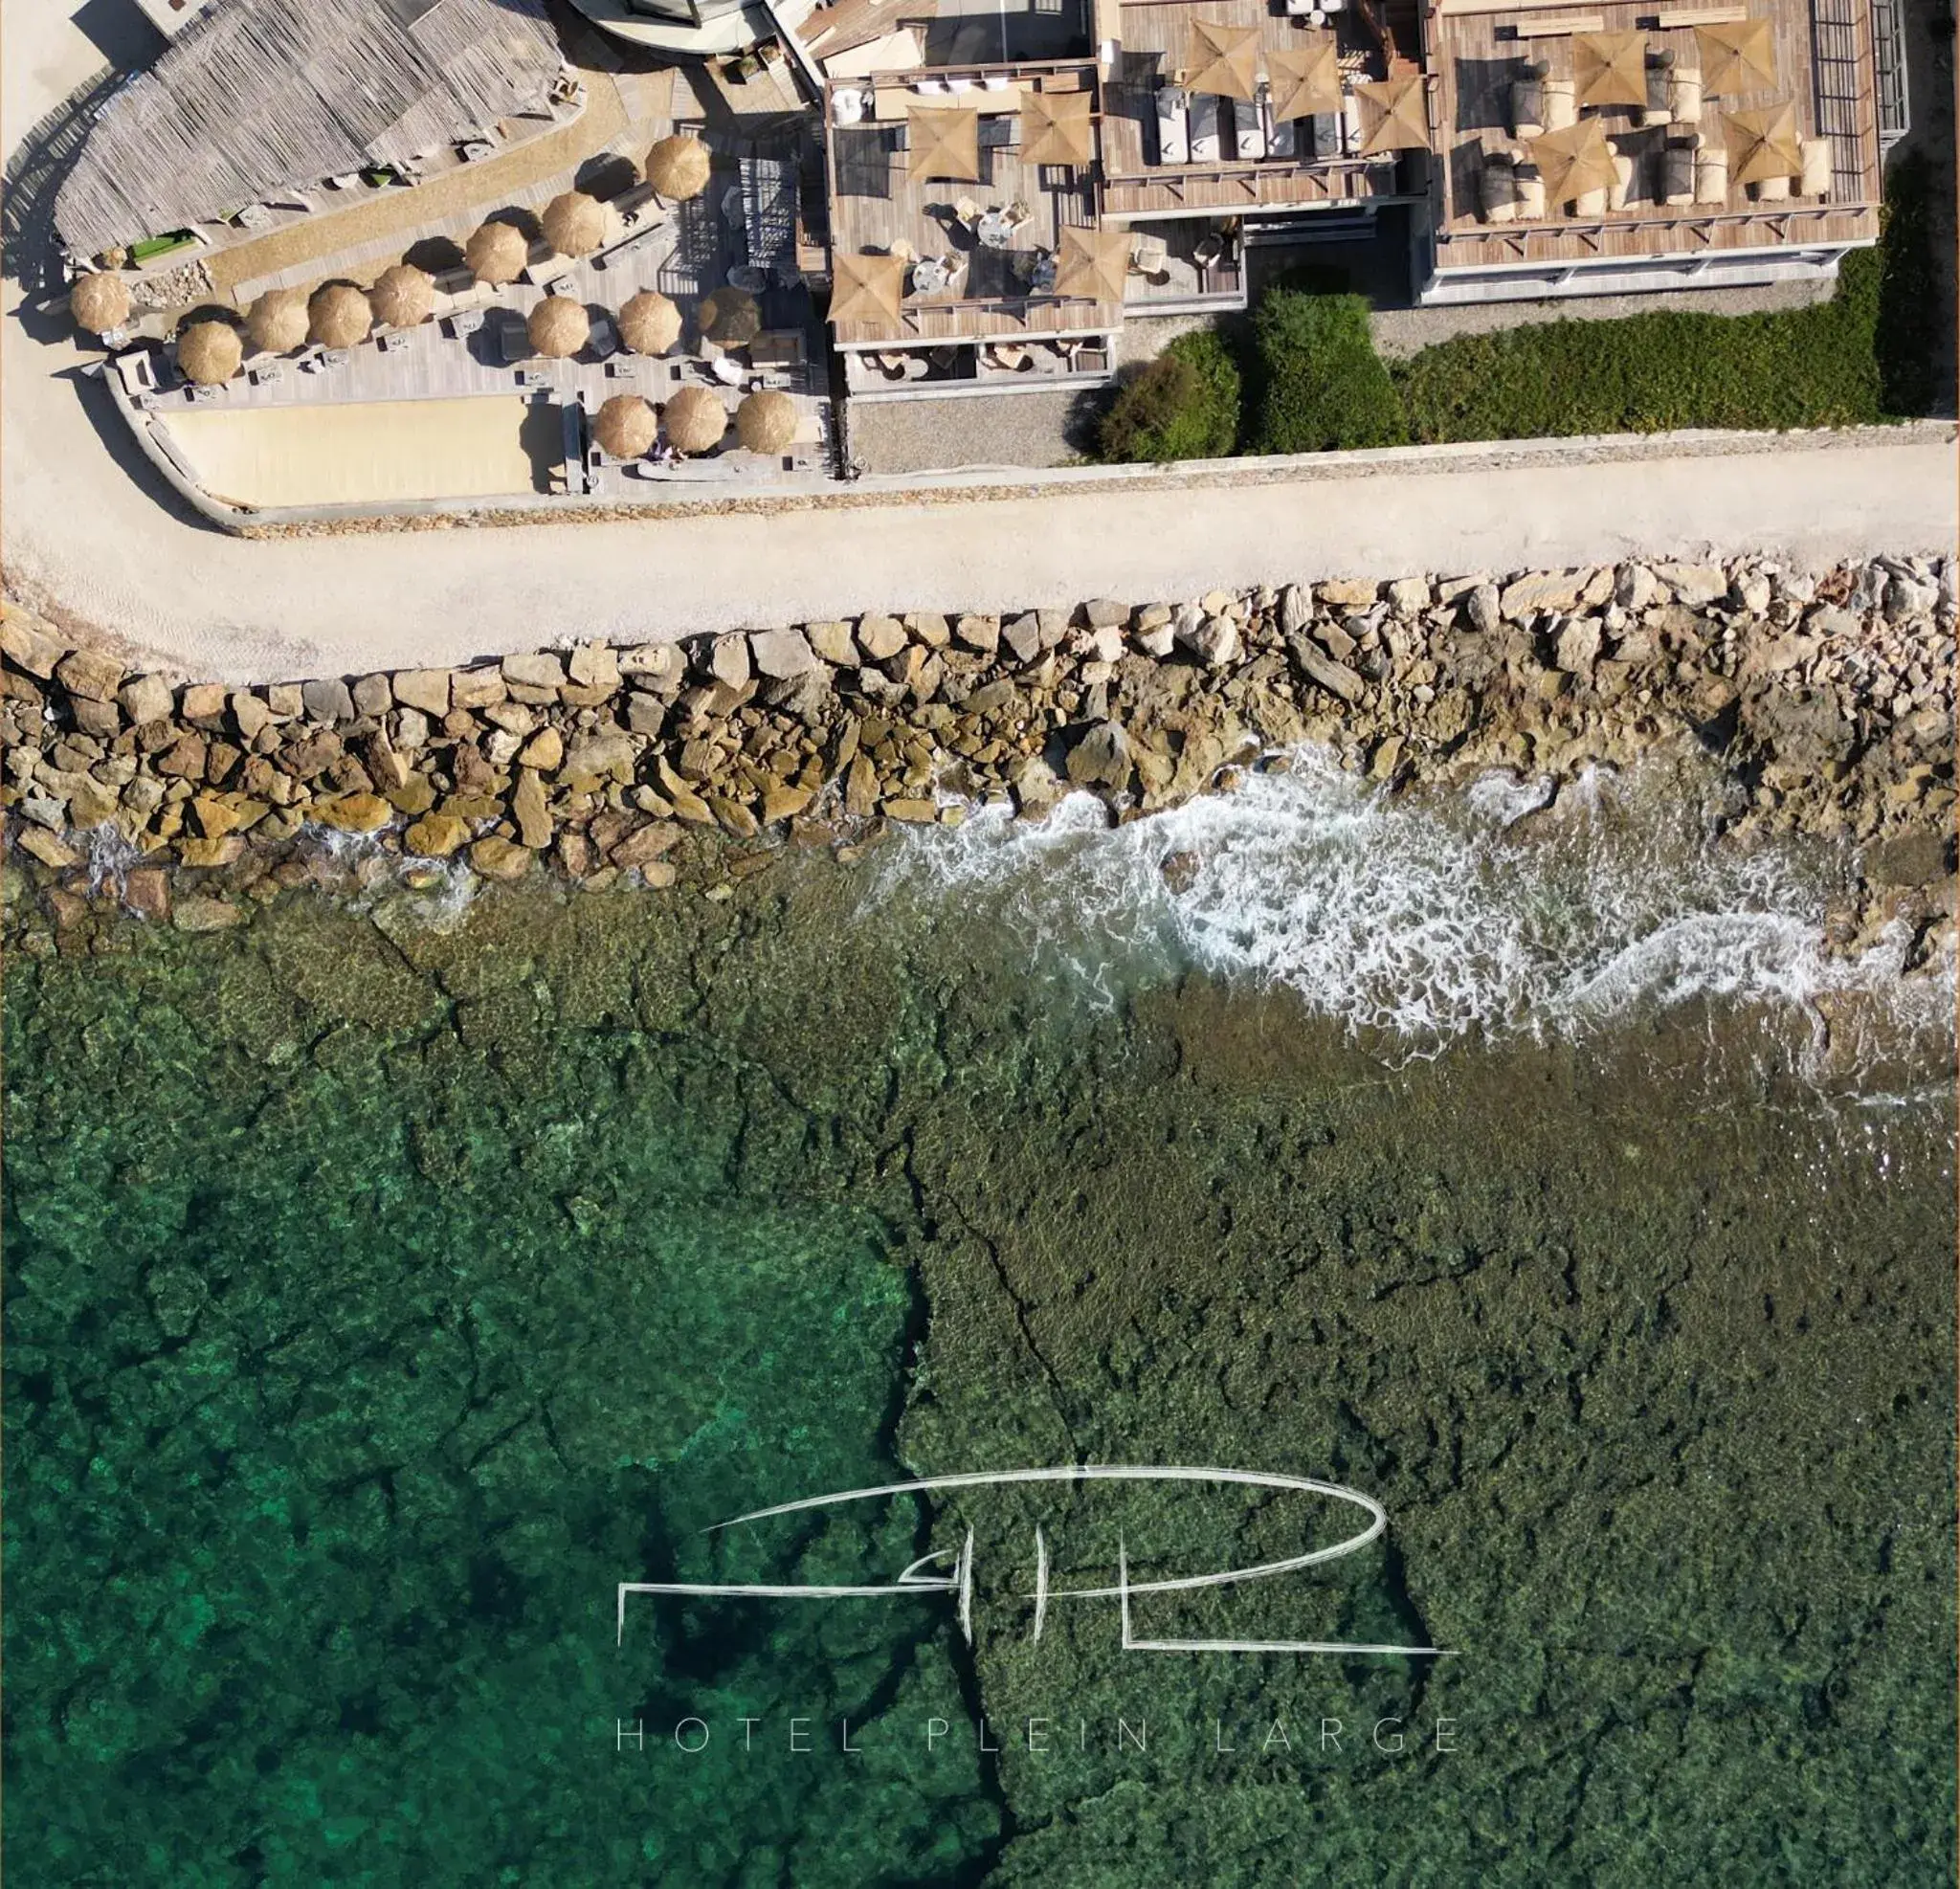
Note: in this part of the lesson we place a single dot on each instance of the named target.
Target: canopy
(338, 315)
(1611, 68)
(559, 326)
(402, 296)
(209, 352)
(1573, 161)
(677, 167)
(943, 141)
(626, 426)
(1305, 76)
(1763, 144)
(866, 288)
(277, 321)
(1737, 58)
(496, 252)
(1094, 264)
(730, 316)
(1395, 115)
(575, 224)
(649, 324)
(99, 303)
(1055, 128)
(695, 420)
(1226, 59)
(766, 422)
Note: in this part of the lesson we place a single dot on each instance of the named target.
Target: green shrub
(1183, 405)
(1319, 385)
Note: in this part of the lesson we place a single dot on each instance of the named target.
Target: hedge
(1183, 405)
(1319, 386)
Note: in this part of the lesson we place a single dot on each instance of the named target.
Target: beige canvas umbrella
(1763, 144)
(649, 324)
(1737, 58)
(1055, 128)
(575, 224)
(1611, 68)
(1093, 263)
(626, 426)
(277, 321)
(1395, 115)
(402, 296)
(766, 422)
(1305, 76)
(695, 420)
(677, 167)
(1225, 58)
(943, 141)
(730, 318)
(338, 315)
(99, 303)
(209, 352)
(559, 326)
(1573, 161)
(866, 288)
(496, 252)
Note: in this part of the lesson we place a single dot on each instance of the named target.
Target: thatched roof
(730, 316)
(866, 288)
(575, 223)
(1611, 68)
(1306, 75)
(626, 426)
(1395, 115)
(278, 320)
(256, 97)
(1094, 262)
(649, 324)
(1574, 161)
(209, 352)
(339, 315)
(496, 252)
(1227, 60)
(677, 167)
(99, 303)
(559, 326)
(695, 420)
(403, 296)
(766, 422)
(1057, 128)
(1736, 58)
(943, 141)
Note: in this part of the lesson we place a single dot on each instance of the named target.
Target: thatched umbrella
(339, 315)
(1306, 75)
(677, 167)
(1227, 59)
(943, 141)
(1055, 128)
(99, 303)
(649, 324)
(1574, 161)
(559, 326)
(277, 321)
(575, 224)
(1395, 115)
(866, 288)
(497, 254)
(1763, 145)
(209, 352)
(1094, 264)
(695, 420)
(730, 318)
(766, 422)
(403, 296)
(1611, 68)
(626, 426)
(1741, 57)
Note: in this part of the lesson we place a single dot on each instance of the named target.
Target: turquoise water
(388, 1282)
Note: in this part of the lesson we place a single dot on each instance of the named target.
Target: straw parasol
(1055, 128)
(1228, 56)
(649, 324)
(1611, 68)
(1305, 76)
(677, 167)
(575, 223)
(559, 326)
(866, 288)
(1093, 263)
(338, 315)
(209, 352)
(99, 303)
(277, 321)
(1395, 115)
(1763, 144)
(496, 252)
(403, 296)
(1575, 159)
(943, 141)
(695, 420)
(626, 426)
(1737, 58)
(730, 318)
(766, 422)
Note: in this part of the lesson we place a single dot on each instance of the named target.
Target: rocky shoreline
(1826, 700)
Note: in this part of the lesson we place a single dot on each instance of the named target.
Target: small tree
(1321, 386)
(1183, 405)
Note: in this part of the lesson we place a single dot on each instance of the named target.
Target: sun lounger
(1561, 105)
(1623, 187)
(1815, 178)
(1173, 139)
(1711, 174)
(1527, 107)
(1205, 127)
(1497, 190)
(1248, 130)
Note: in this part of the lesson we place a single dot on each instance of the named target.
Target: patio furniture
(1659, 109)
(1527, 103)
(1621, 188)
(1527, 188)
(1678, 172)
(1148, 256)
(1561, 105)
(1684, 94)
(1815, 177)
(1711, 174)
(1206, 115)
(1173, 131)
(1248, 130)
(1496, 190)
